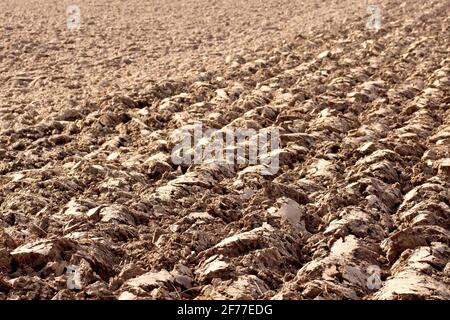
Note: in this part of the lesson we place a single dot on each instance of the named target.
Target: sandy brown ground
(359, 209)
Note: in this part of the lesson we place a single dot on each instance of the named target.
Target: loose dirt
(93, 207)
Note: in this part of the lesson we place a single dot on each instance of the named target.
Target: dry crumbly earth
(86, 177)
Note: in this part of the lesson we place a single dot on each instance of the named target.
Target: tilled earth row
(358, 210)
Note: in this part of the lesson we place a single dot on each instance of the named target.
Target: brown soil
(360, 208)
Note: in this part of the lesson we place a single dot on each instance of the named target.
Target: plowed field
(92, 205)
